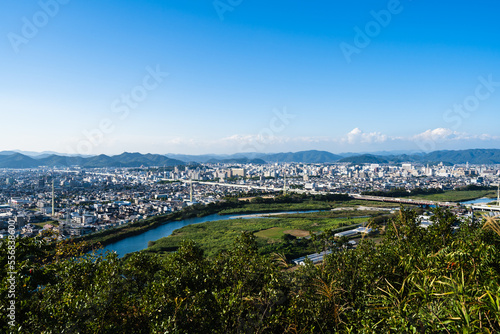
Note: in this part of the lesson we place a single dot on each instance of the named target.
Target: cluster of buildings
(74, 201)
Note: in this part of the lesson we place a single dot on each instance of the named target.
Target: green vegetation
(213, 237)
(291, 202)
(276, 207)
(275, 233)
(413, 281)
(402, 192)
(467, 193)
(376, 204)
(254, 207)
(342, 213)
(458, 195)
(464, 194)
(113, 235)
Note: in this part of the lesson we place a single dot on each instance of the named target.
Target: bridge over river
(418, 202)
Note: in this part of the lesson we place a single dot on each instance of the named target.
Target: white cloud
(436, 134)
(355, 140)
(358, 136)
(353, 136)
(444, 134)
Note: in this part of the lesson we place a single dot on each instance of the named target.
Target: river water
(140, 242)
(479, 201)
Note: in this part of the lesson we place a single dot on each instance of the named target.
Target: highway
(354, 196)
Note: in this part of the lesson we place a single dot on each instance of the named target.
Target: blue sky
(240, 75)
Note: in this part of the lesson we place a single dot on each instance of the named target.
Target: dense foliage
(402, 192)
(467, 193)
(473, 187)
(434, 280)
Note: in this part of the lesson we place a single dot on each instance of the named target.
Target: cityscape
(77, 201)
(232, 166)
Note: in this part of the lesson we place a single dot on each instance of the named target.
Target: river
(140, 242)
(479, 201)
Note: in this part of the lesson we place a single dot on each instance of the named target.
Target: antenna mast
(52, 197)
(191, 191)
(498, 194)
(284, 182)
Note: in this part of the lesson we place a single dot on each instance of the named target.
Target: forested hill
(9, 159)
(18, 160)
(476, 156)
(415, 280)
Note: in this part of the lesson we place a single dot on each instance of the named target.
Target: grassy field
(458, 195)
(331, 214)
(274, 233)
(374, 204)
(304, 206)
(215, 236)
(447, 196)
(278, 232)
(275, 207)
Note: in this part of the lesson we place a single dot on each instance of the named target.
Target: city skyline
(224, 77)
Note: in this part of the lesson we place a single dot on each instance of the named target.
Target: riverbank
(284, 233)
(458, 195)
(110, 236)
(263, 206)
(283, 203)
(316, 205)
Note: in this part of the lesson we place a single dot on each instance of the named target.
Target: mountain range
(16, 159)
(473, 156)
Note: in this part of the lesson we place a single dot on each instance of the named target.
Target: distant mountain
(147, 160)
(196, 158)
(397, 159)
(476, 156)
(17, 160)
(32, 154)
(132, 159)
(206, 158)
(303, 156)
(394, 153)
(7, 152)
(37, 155)
(237, 161)
(100, 161)
(57, 160)
(365, 159)
(11, 159)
